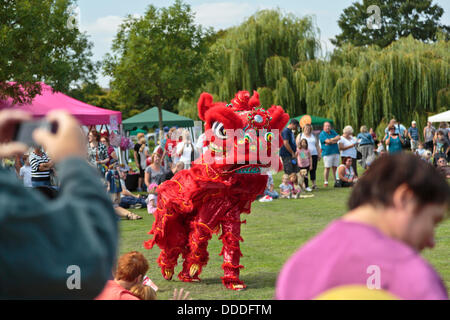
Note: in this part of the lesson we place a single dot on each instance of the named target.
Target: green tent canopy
(136, 132)
(149, 119)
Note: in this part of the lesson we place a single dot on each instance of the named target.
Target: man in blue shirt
(287, 151)
(330, 150)
(413, 135)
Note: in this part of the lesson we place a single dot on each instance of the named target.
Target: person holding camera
(394, 141)
(43, 241)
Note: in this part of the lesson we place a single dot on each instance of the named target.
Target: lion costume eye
(219, 130)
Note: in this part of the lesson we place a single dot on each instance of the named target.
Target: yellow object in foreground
(356, 293)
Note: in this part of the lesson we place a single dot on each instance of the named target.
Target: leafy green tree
(399, 18)
(37, 44)
(158, 58)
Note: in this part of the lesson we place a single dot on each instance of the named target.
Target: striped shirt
(35, 161)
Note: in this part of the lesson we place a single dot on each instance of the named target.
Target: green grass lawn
(274, 231)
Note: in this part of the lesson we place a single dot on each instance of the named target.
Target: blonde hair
(143, 292)
(293, 175)
(143, 143)
(363, 129)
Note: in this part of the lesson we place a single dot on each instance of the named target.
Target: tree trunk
(160, 116)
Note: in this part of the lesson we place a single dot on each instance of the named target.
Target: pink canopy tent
(48, 100)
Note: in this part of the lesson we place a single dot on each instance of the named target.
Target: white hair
(348, 129)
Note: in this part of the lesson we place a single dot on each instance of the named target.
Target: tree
(158, 58)
(262, 54)
(399, 18)
(36, 45)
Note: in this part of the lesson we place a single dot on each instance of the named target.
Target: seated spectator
(143, 292)
(152, 199)
(296, 188)
(441, 147)
(270, 191)
(115, 189)
(285, 188)
(130, 271)
(392, 217)
(174, 170)
(127, 279)
(128, 199)
(345, 175)
(443, 167)
(420, 149)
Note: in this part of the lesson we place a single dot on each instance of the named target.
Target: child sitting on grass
(285, 188)
(296, 188)
(152, 198)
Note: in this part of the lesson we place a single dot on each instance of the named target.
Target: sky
(101, 18)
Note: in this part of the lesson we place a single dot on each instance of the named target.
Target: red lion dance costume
(220, 186)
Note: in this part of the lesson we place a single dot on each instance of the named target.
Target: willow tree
(276, 54)
(408, 81)
(261, 54)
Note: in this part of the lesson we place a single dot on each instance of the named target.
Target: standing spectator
(171, 146)
(287, 151)
(428, 135)
(366, 145)
(144, 152)
(394, 141)
(413, 135)
(155, 172)
(112, 155)
(314, 148)
(373, 134)
(40, 239)
(392, 217)
(41, 166)
(25, 172)
(347, 146)
(186, 150)
(441, 147)
(330, 150)
(137, 161)
(201, 148)
(97, 152)
(304, 159)
(443, 126)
